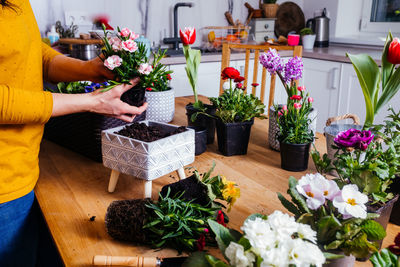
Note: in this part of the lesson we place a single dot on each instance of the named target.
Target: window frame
(378, 27)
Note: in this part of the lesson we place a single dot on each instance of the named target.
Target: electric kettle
(320, 26)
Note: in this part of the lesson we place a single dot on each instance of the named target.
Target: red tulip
(188, 35)
(230, 73)
(393, 55)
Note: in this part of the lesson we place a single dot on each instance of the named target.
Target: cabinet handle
(334, 84)
(266, 26)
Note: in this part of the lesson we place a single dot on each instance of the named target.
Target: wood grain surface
(71, 189)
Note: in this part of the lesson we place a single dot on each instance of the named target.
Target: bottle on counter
(53, 35)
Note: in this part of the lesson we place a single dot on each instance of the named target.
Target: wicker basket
(81, 132)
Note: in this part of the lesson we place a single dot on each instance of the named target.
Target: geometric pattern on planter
(147, 160)
(161, 106)
(273, 127)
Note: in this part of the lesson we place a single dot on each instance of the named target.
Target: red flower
(396, 247)
(301, 88)
(230, 73)
(188, 35)
(295, 97)
(255, 84)
(103, 19)
(201, 242)
(149, 89)
(239, 85)
(169, 77)
(393, 55)
(220, 218)
(239, 79)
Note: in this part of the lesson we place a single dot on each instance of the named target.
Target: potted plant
(338, 214)
(81, 132)
(378, 85)
(273, 240)
(159, 95)
(362, 159)
(269, 7)
(288, 73)
(235, 113)
(295, 136)
(307, 38)
(194, 111)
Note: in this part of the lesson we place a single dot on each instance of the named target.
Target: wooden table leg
(181, 173)
(147, 189)
(113, 180)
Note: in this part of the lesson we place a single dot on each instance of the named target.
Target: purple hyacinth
(354, 138)
(293, 69)
(271, 61)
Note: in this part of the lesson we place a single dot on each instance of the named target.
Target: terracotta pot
(269, 10)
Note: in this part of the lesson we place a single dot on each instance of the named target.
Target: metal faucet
(176, 39)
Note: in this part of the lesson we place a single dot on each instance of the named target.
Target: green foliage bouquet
(338, 215)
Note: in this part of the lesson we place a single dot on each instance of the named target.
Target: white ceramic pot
(308, 41)
(161, 106)
(273, 127)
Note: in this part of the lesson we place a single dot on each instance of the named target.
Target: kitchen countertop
(334, 52)
(71, 189)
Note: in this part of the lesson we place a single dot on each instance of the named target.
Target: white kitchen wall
(160, 14)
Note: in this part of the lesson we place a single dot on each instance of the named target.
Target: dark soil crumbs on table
(142, 132)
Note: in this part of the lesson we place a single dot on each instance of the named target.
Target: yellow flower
(224, 181)
(230, 192)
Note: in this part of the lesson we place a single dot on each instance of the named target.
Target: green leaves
(385, 258)
(193, 58)
(369, 76)
(373, 229)
(222, 235)
(326, 228)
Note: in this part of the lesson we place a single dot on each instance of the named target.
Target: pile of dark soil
(142, 132)
(125, 219)
(191, 188)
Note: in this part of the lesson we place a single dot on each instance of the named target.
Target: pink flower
(115, 43)
(133, 36)
(125, 32)
(284, 108)
(295, 97)
(113, 62)
(145, 68)
(297, 106)
(129, 45)
(301, 88)
(206, 230)
(280, 113)
(310, 99)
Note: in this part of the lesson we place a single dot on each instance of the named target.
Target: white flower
(145, 68)
(303, 253)
(113, 62)
(306, 187)
(282, 224)
(237, 257)
(259, 234)
(329, 188)
(306, 232)
(278, 256)
(351, 203)
(226, 85)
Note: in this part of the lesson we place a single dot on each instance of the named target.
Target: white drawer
(262, 25)
(261, 37)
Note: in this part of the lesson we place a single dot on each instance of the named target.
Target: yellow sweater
(24, 106)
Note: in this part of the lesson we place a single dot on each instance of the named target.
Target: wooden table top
(72, 188)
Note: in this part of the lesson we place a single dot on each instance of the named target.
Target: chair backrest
(226, 53)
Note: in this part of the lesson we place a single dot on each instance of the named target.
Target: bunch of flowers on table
(337, 213)
(273, 240)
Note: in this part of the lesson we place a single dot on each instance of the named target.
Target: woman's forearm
(66, 69)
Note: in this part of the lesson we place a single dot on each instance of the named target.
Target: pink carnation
(125, 32)
(310, 99)
(301, 88)
(145, 68)
(113, 62)
(115, 43)
(297, 106)
(129, 45)
(133, 36)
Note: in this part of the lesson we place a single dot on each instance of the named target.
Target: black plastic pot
(395, 189)
(134, 96)
(203, 120)
(233, 138)
(200, 139)
(294, 157)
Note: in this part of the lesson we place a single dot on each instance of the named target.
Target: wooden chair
(226, 54)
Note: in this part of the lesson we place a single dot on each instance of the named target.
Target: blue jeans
(18, 232)
(24, 237)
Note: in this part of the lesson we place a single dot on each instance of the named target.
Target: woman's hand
(109, 103)
(106, 103)
(97, 72)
